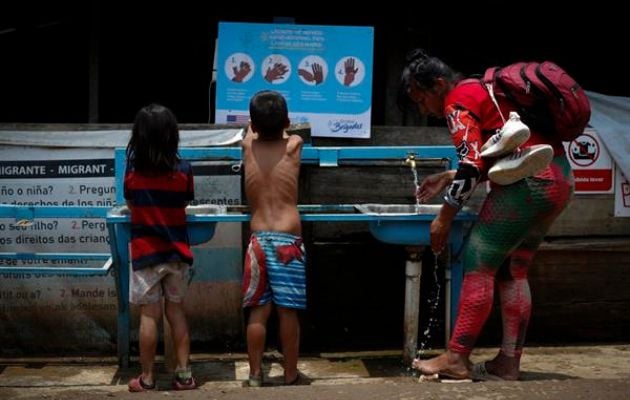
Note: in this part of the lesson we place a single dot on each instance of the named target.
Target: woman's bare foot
(505, 367)
(451, 365)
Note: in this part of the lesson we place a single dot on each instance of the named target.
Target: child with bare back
(274, 270)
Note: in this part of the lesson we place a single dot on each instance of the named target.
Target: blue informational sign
(324, 73)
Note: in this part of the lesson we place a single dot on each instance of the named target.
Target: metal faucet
(411, 161)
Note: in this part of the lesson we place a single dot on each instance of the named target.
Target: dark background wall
(162, 52)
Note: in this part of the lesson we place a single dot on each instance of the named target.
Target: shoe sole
(184, 386)
(136, 385)
(532, 163)
(511, 143)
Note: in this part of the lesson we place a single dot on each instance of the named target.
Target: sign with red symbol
(591, 163)
(622, 195)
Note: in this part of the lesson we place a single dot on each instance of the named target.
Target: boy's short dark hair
(269, 114)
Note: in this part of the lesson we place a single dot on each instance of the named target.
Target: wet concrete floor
(589, 372)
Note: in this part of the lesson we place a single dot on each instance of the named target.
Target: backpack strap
(487, 82)
(488, 76)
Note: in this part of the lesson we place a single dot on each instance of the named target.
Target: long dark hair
(422, 69)
(154, 140)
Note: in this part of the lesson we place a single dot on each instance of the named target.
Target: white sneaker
(513, 134)
(521, 164)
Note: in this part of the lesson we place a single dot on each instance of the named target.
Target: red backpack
(547, 98)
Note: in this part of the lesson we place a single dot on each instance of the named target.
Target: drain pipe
(413, 271)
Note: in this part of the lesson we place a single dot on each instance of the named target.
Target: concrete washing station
(403, 224)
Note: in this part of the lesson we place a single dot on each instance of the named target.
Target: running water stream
(417, 185)
(433, 320)
(433, 302)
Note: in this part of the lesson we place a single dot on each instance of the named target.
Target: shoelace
(518, 153)
(496, 137)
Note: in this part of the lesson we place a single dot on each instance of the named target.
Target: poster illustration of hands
(324, 73)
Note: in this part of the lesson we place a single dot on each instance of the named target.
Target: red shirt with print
(472, 118)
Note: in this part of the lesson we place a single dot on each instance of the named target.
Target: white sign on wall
(592, 165)
(622, 195)
(83, 308)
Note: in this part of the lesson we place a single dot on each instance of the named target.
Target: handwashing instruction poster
(324, 73)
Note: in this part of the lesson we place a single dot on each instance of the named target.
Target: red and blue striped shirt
(159, 231)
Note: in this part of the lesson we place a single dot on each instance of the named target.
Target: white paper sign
(622, 195)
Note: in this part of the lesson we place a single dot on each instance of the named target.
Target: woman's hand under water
(433, 185)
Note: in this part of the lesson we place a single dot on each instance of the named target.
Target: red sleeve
(466, 135)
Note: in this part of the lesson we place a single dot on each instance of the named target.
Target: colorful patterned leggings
(512, 223)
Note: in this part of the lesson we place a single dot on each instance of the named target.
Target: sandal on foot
(450, 375)
(480, 373)
(138, 385)
(184, 380)
(184, 384)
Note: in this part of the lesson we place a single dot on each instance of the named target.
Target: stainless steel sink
(198, 231)
(408, 224)
(398, 209)
(206, 209)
